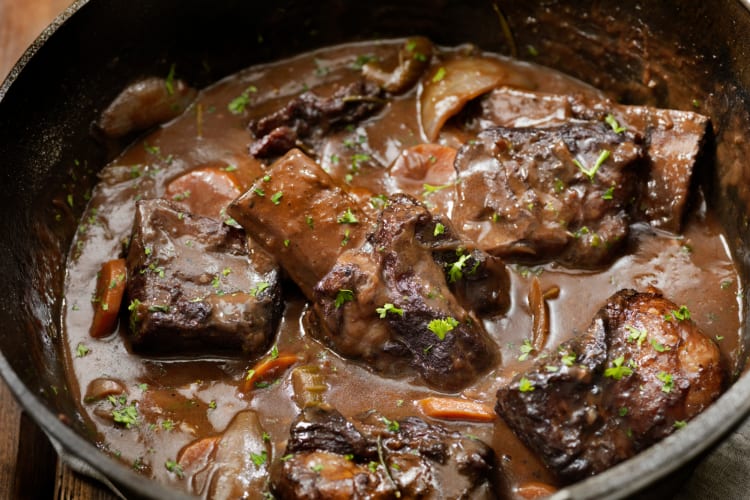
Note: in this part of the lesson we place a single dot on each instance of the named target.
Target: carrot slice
(267, 368)
(110, 287)
(198, 452)
(533, 490)
(204, 191)
(456, 409)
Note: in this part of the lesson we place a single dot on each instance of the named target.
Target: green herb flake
(609, 193)
(361, 60)
(82, 350)
(591, 172)
(392, 425)
(526, 349)
(389, 308)
(259, 459)
(428, 189)
(167, 425)
(455, 271)
(439, 75)
(568, 359)
(128, 415)
(681, 314)
(612, 122)
(276, 198)
(348, 217)
(679, 424)
(667, 380)
(439, 229)
(174, 467)
(259, 192)
(622, 411)
(373, 466)
(342, 297)
(259, 288)
(618, 370)
(636, 334)
(169, 82)
(230, 168)
(286, 458)
(316, 467)
(659, 347)
(525, 385)
(441, 327)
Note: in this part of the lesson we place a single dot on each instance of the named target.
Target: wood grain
(29, 467)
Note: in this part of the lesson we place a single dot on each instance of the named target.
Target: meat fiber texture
(198, 285)
(639, 373)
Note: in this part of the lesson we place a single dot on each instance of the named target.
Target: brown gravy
(182, 399)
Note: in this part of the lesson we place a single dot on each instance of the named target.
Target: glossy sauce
(187, 398)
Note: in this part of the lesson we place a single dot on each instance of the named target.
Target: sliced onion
(460, 81)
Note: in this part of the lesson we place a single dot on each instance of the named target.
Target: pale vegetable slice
(452, 85)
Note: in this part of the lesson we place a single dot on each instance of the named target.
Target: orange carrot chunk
(110, 287)
(534, 490)
(456, 409)
(267, 368)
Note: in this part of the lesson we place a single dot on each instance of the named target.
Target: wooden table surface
(29, 467)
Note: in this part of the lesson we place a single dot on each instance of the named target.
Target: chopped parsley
(525, 385)
(392, 425)
(348, 217)
(167, 425)
(612, 122)
(636, 334)
(127, 415)
(455, 272)
(259, 288)
(428, 189)
(173, 466)
(591, 172)
(274, 353)
(388, 308)
(439, 75)
(259, 192)
(342, 297)
(441, 327)
(526, 349)
(82, 350)
(345, 240)
(681, 314)
(276, 198)
(622, 411)
(666, 379)
(239, 103)
(659, 347)
(316, 467)
(568, 359)
(439, 229)
(159, 308)
(679, 424)
(259, 459)
(617, 370)
(609, 193)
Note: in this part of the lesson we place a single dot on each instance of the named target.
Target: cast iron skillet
(663, 53)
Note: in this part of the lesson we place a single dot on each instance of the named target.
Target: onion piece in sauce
(452, 85)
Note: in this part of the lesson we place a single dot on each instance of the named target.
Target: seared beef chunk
(639, 372)
(413, 59)
(374, 457)
(144, 104)
(299, 214)
(558, 193)
(384, 297)
(197, 284)
(311, 116)
(390, 300)
(672, 140)
(233, 464)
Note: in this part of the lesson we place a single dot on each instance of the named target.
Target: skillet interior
(665, 53)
